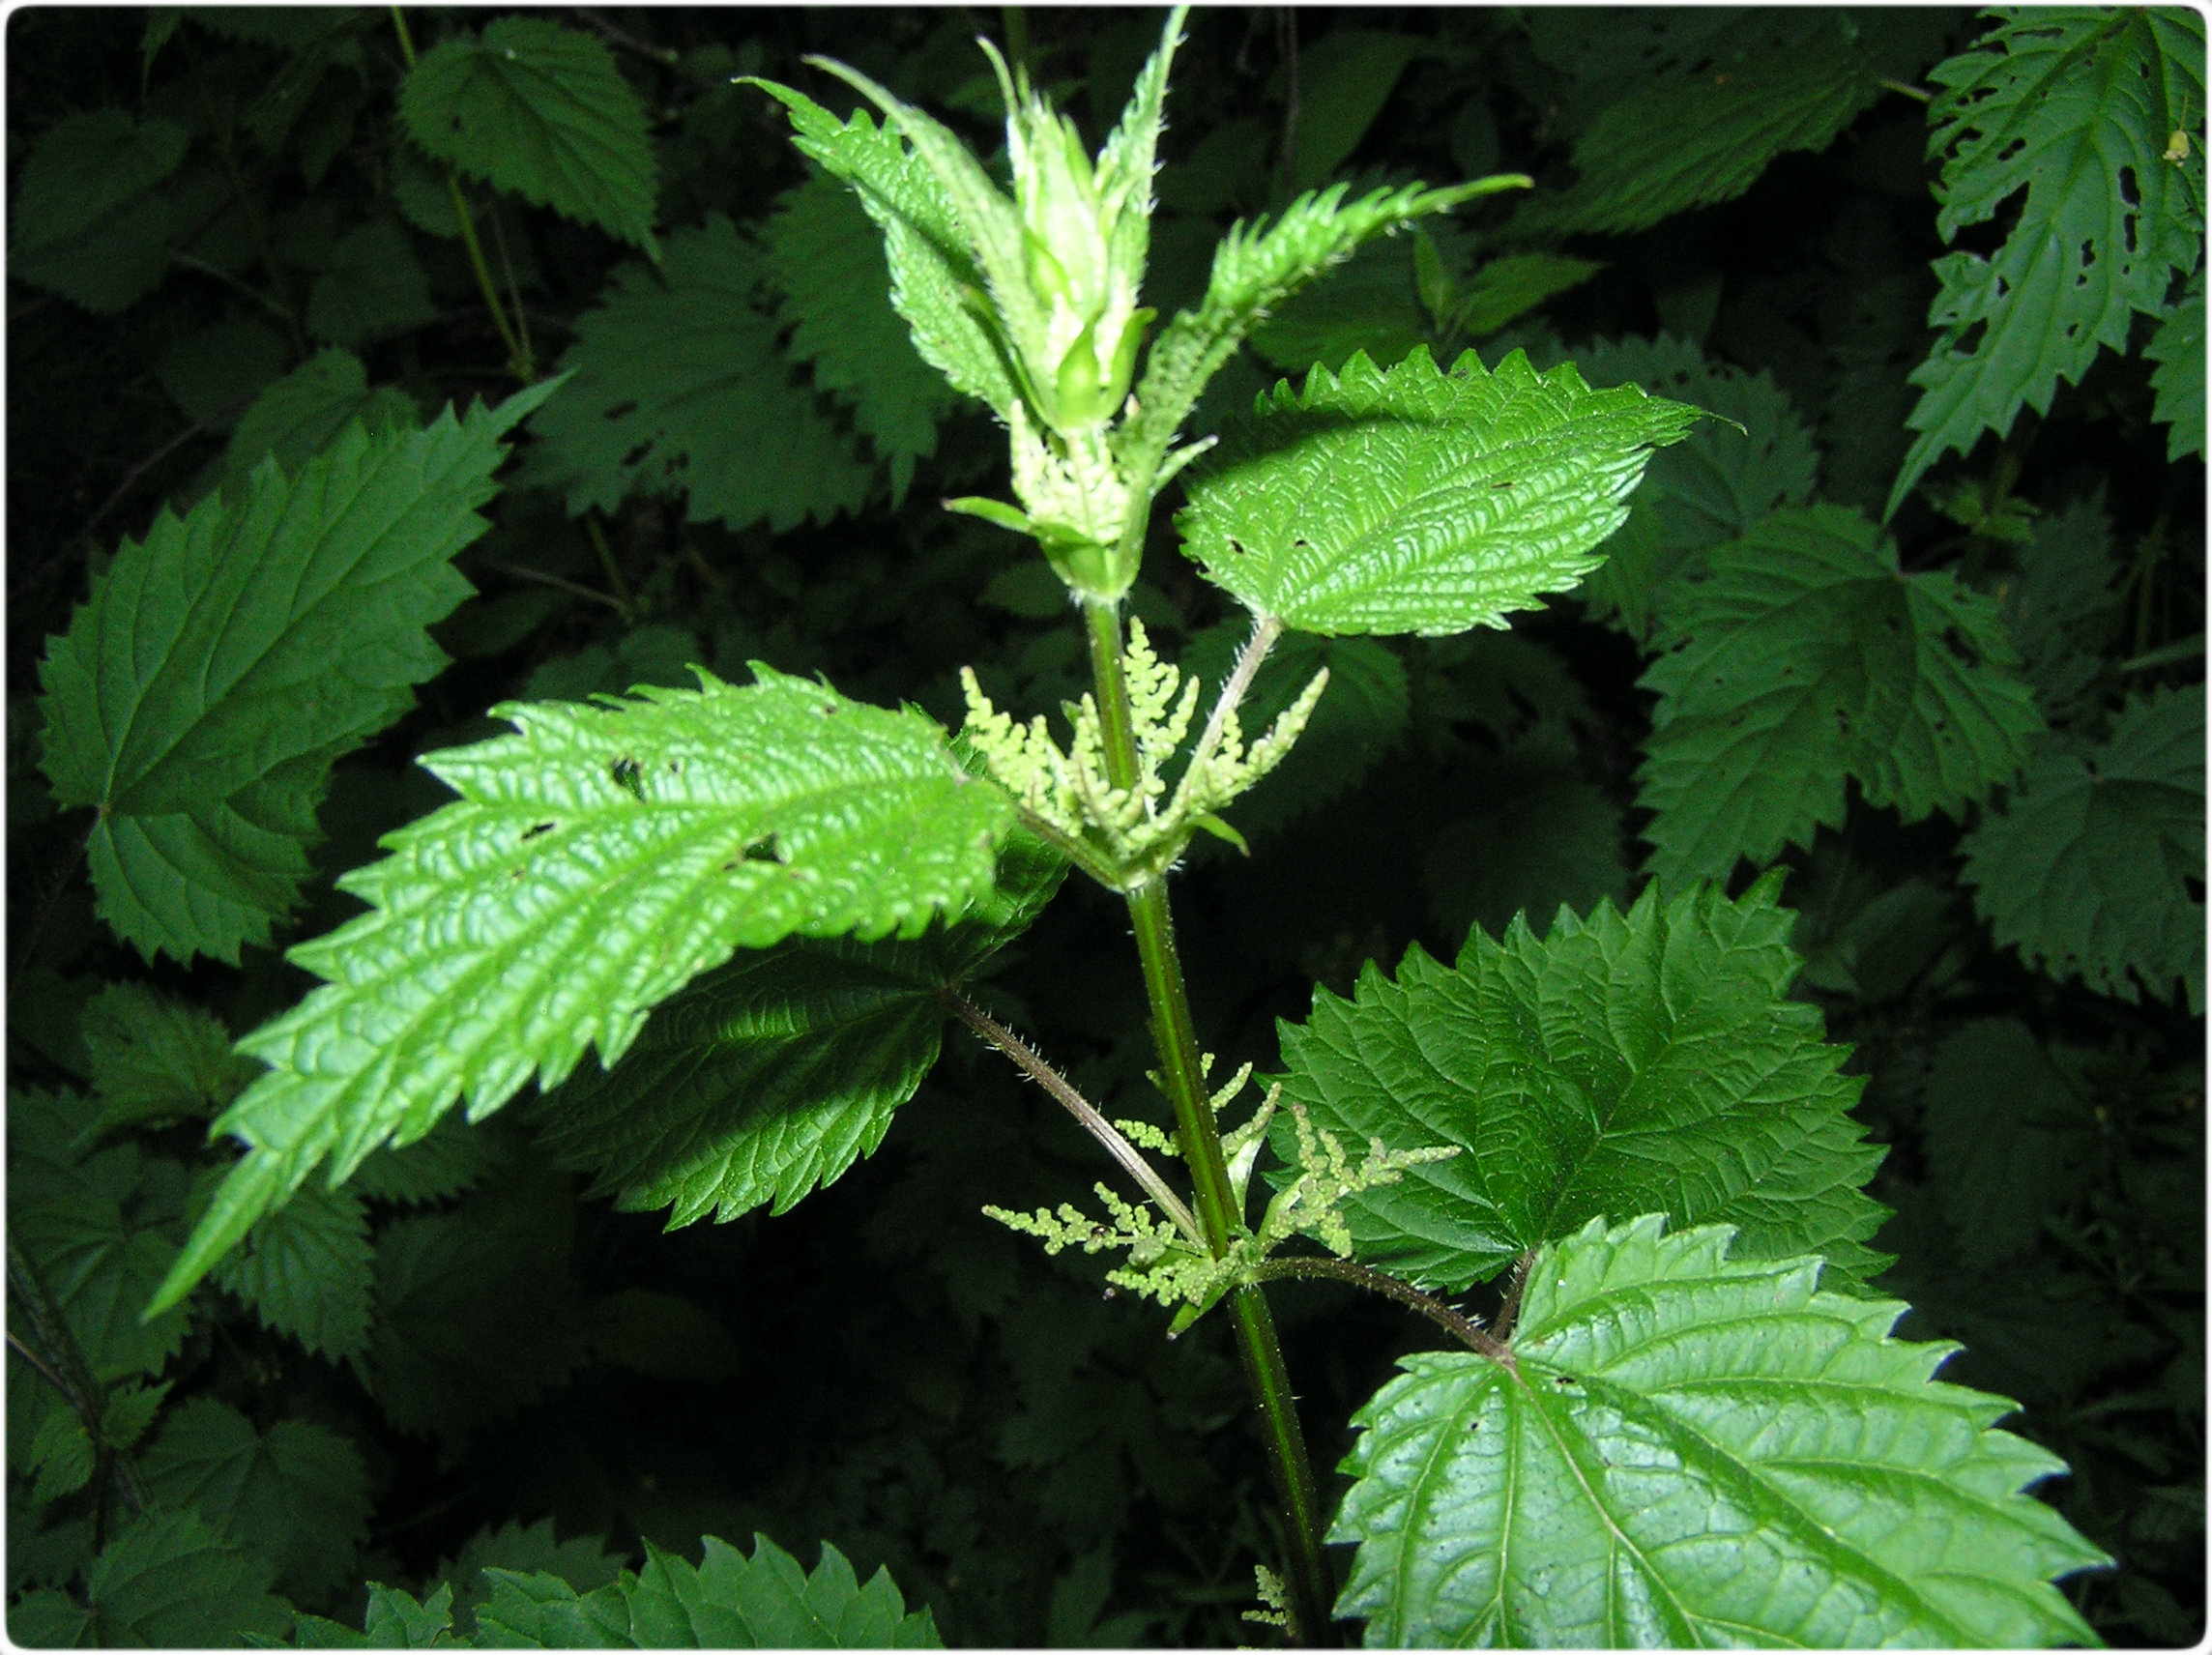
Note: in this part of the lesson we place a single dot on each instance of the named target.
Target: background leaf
(1802, 656)
(541, 110)
(222, 665)
(1692, 1448)
(1646, 1060)
(169, 1581)
(2005, 1137)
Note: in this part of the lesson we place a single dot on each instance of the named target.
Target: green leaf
(1684, 143)
(1504, 290)
(88, 226)
(170, 1582)
(222, 664)
(827, 262)
(1705, 491)
(2178, 349)
(1256, 266)
(475, 1311)
(445, 1161)
(541, 110)
(662, 1334)
(297, 1493)
(62, 1454)
(2061, 609)
(157, 1059)
(306, 412)
(596, 862)
(103, 1241)
(49, 1619)
(1544, 838)
(1360, 716)
(582, 1561)
(307, 1270)
(372, 286)
(770, 1077)
(2088, 870)
(678, 382)
(925, 241)
(1627, 1062)
(213, 374)
(1802, 657)
(1344, 81)
(1998, 1120)
(1368, 304)
(1418, 501)
(2073, 104)
(1691, 1449)
(727, 1602)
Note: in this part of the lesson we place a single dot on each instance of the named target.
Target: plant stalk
(72, 1375)
(1217, 1206)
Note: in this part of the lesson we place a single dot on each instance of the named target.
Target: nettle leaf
(170, 1582)
(88, 224)
(1692, 1449)
(541, 110)
(1683, 143)
(101, 1232)
(1370, 302)
(1709, 489)
(222, 664)
(372, 285)
(297, 1494)
(677, 384)
(444, 1162)
(307, 1269)
(2178, 349)
(2090, 868)
(157, 1059)
(1999, 1122)
(925, 241)
(725, 1602)
(2075, 105)
(582, 1561)
(2061, 609)
(594, 863)
(1420, 500)
(769, 1078)
(1502, 290)
(1801, 658)
(1626, 1062)
(828, 261)
(1359, 717)
(304, 413)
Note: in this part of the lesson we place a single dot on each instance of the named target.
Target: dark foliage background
(881, 1367)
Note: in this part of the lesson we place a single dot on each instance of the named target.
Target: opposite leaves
(594, 863)
(222, 664)
(1635, 1063)
(1414, 499)
(1689, 1450)
(1802, 656)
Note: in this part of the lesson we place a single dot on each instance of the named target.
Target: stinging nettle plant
(1688, 1424)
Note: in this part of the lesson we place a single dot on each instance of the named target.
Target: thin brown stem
(1459, 1327)
(37, 1367)
(599, 540)
(575, 588)
(1123, 1151)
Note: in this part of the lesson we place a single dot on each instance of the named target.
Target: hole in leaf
(2194, 888)
(764, 849)
(2131, 190)
(621, 410)
(542, 828)
(628, 775)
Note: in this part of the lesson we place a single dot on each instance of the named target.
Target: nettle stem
(1217, 1206)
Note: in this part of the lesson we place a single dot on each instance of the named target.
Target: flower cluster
(1133, 833)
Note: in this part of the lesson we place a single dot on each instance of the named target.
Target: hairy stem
(1182, 1077)
(1124, 1152)
(1232, 692)
(1459, 1327)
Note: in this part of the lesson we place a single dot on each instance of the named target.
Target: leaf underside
(1645, 1061)
(1694, 1450)
(1414, 499)
(594, 863)
(767, 1078)
(1802, 656)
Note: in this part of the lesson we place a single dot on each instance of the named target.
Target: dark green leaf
(304, 413)
(1998, 1114)
(169, 1582)
(157, 1059)
(2178, 349)
(87, 224)
(307, 1270)
(373, 286)
(1633, 1062)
